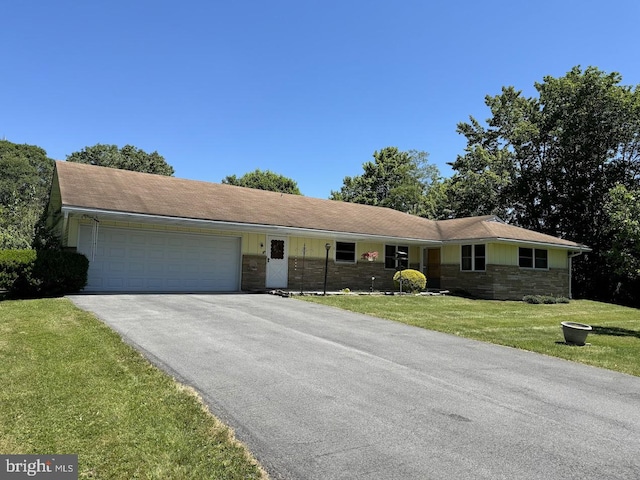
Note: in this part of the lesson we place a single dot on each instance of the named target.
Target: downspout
(571, 256)
(65, 235)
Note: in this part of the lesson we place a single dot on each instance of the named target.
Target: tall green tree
(623, 210)
(25, 182)
(394, 179)
(125, 158)
(548, 162)
(264, 180)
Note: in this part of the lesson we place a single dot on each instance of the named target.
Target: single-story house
(152, 233)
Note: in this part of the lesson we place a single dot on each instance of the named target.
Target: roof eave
(576, 247)
(238, 226)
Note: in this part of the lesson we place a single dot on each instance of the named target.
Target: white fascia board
(574, 248)
(242, 227)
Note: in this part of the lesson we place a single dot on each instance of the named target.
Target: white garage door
(154, 261)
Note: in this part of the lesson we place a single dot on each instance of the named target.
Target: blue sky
(307, 89)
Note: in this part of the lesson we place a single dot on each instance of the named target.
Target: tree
(623, 255)
(125, 158)
(266, 180)
(480, 186)
(395, 179)
(25, 182)
(548, 163)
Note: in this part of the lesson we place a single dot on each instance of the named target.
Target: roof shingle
(114, 190)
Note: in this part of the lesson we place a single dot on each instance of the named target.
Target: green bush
(546, 299)
(13, 265)
(412, 280)
(533, 299)
(27, 273)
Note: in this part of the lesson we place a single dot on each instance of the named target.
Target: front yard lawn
(71, 386)
(614, 342)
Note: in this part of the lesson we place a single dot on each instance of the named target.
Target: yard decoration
(370, 256)
(575, 333)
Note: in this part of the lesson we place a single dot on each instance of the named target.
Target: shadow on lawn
(615, 331)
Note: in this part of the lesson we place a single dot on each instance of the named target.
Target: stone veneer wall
(254, 272)
(504, 282)
(354, 276)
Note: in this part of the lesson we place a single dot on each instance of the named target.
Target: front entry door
(432, 256)
(277, 262)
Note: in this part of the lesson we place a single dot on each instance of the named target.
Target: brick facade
(498, 282)
(354, 276)
(503, 282)
(254, 272)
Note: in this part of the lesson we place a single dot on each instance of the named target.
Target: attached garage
(136, 260)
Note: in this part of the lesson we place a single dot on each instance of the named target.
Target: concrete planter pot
(575, 333)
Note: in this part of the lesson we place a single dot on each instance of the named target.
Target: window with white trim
(346, 252)
(391, 260)
(473, 258)
(537, 258)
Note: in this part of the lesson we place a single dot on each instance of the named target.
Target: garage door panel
(137, 252)
(155, 283)
(153, 260)
(116, 267)
(156, 239)
(136, 239)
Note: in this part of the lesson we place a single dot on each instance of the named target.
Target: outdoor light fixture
(327, 246)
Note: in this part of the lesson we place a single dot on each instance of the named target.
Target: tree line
(565, 162)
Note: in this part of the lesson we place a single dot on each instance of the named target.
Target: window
(541, 259)
(277, 249)
(533, 258)
(525, 257)
(391, 260)
(473, 258)
(345, 252)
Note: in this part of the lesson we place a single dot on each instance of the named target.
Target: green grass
(614, 341)
(70, 385)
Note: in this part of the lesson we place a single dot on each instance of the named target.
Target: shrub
(412, 280)
(13, 265)
(44, 273)
(546, 299)
(533, 299)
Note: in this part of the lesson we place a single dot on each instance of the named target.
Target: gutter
(65, 222)
(244, 227)
(581, 248)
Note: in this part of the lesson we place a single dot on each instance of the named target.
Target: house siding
(254, 272)
(306, 267)
(354, 276)
(506, 282)
(507, 254)
(503, 279)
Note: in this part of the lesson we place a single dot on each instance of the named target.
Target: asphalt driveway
(319, 393)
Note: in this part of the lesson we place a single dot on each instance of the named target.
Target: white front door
(277, 262)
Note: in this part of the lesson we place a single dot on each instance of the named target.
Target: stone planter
(575, 333)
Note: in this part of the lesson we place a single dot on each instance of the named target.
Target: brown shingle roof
(489, 226)
(110, 189)
(99, 188)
